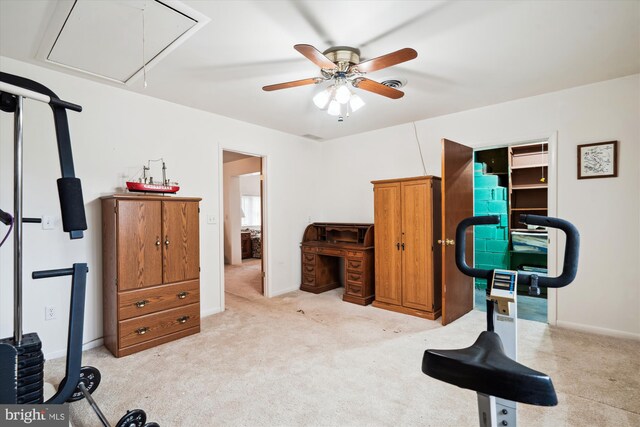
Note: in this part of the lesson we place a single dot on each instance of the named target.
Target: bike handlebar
(572, 249)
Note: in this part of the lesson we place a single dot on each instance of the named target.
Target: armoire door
(387, 218)
(417, 259)
(180, 224)
(138, 244)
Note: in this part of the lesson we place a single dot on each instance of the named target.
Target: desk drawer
(308, 279)
(354, 289)
(308, 268)
(332, 251)
(354, 276)
(308, 257)
(151, 300)
(354, 264)
(355, 254)
(144, 328)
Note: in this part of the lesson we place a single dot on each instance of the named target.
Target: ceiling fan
(342, 64)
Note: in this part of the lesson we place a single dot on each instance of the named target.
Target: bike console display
(503, 289)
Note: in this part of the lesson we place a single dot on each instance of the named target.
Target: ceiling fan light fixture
(343, 94)
(355, 103)
(334, 108)
(321, 99)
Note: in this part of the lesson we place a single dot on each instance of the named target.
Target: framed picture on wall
(598, 160)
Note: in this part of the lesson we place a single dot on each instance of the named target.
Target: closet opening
(510, 181)
(243, 202)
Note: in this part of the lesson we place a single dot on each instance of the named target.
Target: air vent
(394, 83)
(314, 137)
(105, 38)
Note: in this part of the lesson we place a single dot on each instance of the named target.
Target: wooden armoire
(150, 269)
(408, 262)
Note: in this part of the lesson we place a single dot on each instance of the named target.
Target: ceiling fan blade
(384, 61)
(295, 83)
(315, 56)
(379, 88)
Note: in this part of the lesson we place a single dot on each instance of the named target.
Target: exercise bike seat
(485, 368)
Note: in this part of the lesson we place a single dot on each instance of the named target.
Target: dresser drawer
(354, 264)
(151, 300)
(144, 328)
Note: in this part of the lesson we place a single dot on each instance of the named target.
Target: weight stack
(30, 369)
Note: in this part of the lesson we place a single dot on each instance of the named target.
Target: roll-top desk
(334, 254)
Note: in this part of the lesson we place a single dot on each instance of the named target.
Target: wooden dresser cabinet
(407, 258)
(151, 270)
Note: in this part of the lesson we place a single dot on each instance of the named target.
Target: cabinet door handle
(158, 242)
(182, 319)
(166, 242)
(403, 246)
(142, 331)
(142, 303)
(398, 246)
(183, 295)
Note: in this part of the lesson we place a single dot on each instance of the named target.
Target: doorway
(510, 181)
(242, 224)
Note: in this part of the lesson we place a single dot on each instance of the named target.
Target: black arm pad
(71, 204)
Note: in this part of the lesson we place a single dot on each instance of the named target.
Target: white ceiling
(470, 54)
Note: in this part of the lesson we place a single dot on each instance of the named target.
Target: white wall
(250, 185)
(606, 294)
(115, 134)
(232, 172)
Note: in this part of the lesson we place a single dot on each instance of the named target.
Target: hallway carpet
(313, 360)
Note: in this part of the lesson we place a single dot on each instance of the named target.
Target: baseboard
(284, 291)
(210, 311)
(597, 330)
(63, 353)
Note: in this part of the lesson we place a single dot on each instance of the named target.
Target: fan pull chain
(542, 179)
(144, 62)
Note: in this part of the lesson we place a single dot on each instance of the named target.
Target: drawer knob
(158, 242)
(166, 242)
(142, 331)
(183, 319)
(183, 295)
(142, 303)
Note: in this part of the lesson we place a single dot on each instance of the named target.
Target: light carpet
(313, 360)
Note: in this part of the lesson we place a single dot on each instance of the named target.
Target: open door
(262, 239)
(457, 204)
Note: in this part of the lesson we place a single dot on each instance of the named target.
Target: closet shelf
(531, 186)
(539, 165)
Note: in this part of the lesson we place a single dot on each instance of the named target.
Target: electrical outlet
(211, 219)
(49, 312)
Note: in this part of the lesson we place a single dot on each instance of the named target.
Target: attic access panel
(105, 37)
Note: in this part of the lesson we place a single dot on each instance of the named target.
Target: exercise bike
(489, 366)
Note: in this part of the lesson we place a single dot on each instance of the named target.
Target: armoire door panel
(181, 246)
(387, 243)
(417, 290)
(139, 251)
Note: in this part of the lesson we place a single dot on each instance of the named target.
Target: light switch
(211, 219)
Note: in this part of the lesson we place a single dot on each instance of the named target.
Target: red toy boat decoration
(148, 185)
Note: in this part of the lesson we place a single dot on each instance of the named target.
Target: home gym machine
(21, 356)
(489, 366)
